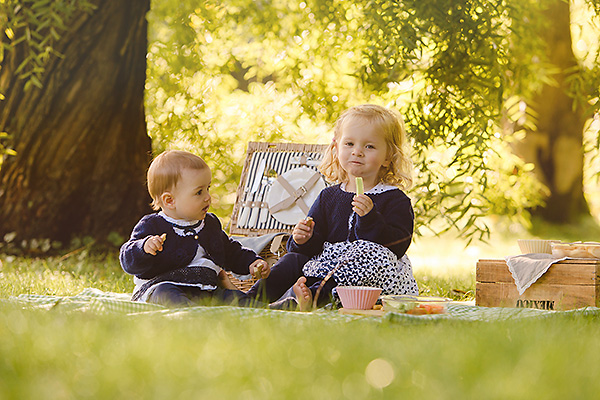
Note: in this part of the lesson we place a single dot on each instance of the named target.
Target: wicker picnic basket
(264, 166)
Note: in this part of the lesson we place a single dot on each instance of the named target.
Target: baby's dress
(364, 263)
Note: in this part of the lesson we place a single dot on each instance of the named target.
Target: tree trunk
(81, 141)
(556, 148)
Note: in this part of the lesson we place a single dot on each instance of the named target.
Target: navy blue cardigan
(179, 251)
(389, 223)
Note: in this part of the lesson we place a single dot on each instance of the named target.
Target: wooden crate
(566, 285)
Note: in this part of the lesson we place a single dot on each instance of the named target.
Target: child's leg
(170, 295)
(284, 275)
(236, 298)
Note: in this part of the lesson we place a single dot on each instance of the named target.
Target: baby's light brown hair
(165, 170)
(391, 125)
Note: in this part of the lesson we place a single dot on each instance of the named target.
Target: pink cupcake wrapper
(358, 297)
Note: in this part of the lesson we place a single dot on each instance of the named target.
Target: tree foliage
(36, 25)
(270, 70)
(222, 73)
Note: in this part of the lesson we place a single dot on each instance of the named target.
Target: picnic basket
(287, 170)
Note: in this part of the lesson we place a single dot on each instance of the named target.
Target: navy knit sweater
(389, 223)
(179, 251)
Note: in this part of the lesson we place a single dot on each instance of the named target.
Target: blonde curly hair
(390, 122)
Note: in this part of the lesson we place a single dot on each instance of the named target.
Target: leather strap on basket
(295, 194)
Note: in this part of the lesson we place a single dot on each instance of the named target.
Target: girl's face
(362, 151)
(190, 198)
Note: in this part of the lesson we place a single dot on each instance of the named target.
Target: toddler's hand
(154, 244)
(362, 204)
(303, 230)
(260, 269)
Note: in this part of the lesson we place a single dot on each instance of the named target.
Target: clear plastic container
(415, 305)
(576, 250)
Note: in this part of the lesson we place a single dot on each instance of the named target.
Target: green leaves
(5, 148)
(229, 72)
(33, 27)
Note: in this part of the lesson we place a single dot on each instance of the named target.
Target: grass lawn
(58, 355)
(47, 355)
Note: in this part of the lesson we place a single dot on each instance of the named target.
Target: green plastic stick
(359, 185)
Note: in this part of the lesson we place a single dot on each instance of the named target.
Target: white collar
(379, 188)
(195, 225)
(180, 222)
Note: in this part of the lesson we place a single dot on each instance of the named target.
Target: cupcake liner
(358, 297)
(534, 246)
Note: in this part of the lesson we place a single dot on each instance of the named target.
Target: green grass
(59, 355)
(62, 275)
(70, 356)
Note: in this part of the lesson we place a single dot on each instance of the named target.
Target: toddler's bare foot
(303, 294)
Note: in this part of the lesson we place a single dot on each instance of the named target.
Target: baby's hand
(303, 230)
(154, 244)
(362, 204)
(260, 269)
(225, 282)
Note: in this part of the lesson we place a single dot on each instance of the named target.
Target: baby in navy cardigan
(179, 255)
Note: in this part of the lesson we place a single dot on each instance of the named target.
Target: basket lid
(292, 194)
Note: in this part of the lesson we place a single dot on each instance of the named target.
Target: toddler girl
(363, 236)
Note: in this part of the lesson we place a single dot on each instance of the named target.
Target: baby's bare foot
(303, 294)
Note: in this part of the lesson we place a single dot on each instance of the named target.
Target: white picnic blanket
(99, 302)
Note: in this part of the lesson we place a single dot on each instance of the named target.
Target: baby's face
(191, 195)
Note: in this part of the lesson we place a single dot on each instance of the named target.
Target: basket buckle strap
(276, 244)
(295, 195)
(303, 159)
(254, 204)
